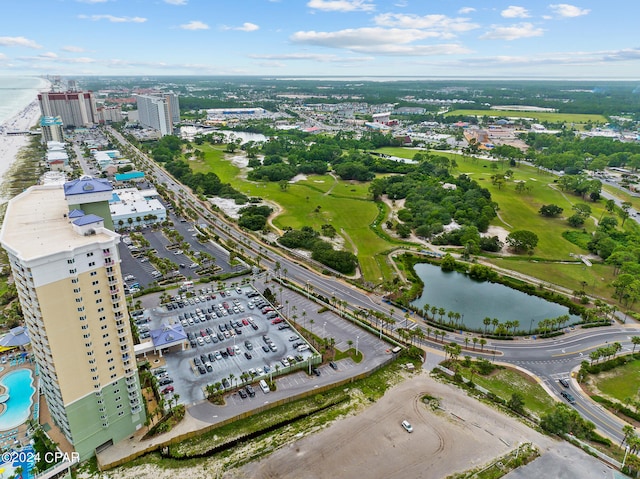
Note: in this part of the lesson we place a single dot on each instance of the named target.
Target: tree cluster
(321, 251)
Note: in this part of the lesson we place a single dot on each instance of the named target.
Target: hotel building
(159, 112)
(76, 109)
(65, 263)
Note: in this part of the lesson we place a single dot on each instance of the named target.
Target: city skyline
(523, 39)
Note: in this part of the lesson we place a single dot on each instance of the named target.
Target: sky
(585, 39)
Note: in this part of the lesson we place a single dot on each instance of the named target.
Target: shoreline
(10, 145)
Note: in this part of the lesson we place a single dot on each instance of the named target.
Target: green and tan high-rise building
(65, 263)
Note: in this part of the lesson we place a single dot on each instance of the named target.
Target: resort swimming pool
(20, 389)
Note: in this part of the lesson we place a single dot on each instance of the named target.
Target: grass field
(324, 199)
(620, 383)
(575, 118)
(504, 382)
(313, 202)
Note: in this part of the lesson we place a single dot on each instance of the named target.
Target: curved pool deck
(20, 388)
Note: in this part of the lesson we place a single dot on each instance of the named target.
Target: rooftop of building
(126, 201)
(86, 184)
(37, 225)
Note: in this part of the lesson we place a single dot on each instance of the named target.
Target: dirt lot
(461, 435)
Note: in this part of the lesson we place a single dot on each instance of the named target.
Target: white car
(407, 426)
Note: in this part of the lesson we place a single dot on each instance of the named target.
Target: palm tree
(429, 331)
(434, 310)
(450, 316)
(466, 342)
(495, 322)
(441, 312)
(482, 343)
(475, 341)
(487, 322)
(635, 340)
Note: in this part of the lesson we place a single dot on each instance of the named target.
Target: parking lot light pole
(357, 338)
(323, 329)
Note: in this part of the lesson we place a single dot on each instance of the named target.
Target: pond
(244, 136)
(475, 300)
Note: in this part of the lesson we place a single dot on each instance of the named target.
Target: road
(549, 359)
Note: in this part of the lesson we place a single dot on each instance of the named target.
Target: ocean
(16, 93)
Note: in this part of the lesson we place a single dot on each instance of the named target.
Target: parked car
(167, 390)
(407, 426)
(333, 365)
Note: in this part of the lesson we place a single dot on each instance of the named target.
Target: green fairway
(324, 199)
(569, 118)
(620, 383)
(595, 279)
(314, 201)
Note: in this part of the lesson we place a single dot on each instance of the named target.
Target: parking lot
(234, 336)
(138, 269)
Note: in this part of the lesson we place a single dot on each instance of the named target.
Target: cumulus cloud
(386, 41)
(513, 32)
(465, 10)
(342, 5)
(18, 42)
(195, 25)
(515, 12)
(438, 23)
(113, 18)
(566, 10)
(245, 27)
(72, 48)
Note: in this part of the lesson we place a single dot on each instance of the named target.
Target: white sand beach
(10, 145)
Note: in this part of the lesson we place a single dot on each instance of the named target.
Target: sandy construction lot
(463, 434)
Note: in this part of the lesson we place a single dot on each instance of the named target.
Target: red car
(245, 322)
(167, 390)
(277, 320)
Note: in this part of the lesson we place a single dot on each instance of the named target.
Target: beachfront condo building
(75, 108)
(159, 112)
(66, 268)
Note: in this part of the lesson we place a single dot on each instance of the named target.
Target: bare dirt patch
(462, 435)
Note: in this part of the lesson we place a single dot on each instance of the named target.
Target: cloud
(113, 18)
(195, 25)
(342, 5)
(316, 57)
(92, 1)
(18, 42)
(567, 11)
(385, 41)
(513, 32)
(176, 2)
(73, 49)
(515, 12)
(245, 27)
(465, 10)
(438, 23)
(48, 55)
(564, 58)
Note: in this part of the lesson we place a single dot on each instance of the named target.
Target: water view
(475, 300)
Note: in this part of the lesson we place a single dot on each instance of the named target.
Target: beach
(10, 145)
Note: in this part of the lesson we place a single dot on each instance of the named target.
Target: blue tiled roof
(86, 184)
(88, 219)
(168, 334)
(76, 213)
